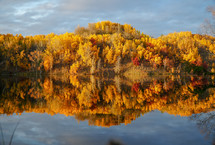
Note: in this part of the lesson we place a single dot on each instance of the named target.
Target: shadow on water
(115, 142)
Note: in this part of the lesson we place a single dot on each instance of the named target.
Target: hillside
(107, 47)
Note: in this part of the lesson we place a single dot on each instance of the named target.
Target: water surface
(93, 111)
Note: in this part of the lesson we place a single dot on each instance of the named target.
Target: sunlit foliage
(106, 42)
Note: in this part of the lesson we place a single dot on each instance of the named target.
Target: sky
(152, 17)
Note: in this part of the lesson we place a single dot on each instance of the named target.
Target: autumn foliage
(105, 105)
(105, 41)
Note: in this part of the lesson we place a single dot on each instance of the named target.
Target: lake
(97, 111)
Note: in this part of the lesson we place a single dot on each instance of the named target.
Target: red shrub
(150, 45)
(199, 82)
(198, 62)
(136, 87)
(93, 41)
(136, 61)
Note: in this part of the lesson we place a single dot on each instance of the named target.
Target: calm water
(92, 111)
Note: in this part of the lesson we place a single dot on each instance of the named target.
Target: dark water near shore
(93, 111)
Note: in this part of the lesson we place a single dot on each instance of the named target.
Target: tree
(117, 67)
(93, 65)
(36, 60)
(209, 26)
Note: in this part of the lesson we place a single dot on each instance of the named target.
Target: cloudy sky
(153, 17)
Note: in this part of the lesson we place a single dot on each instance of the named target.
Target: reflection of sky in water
(152, 128)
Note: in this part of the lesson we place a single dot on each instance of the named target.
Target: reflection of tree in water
(107, 102)
(11, 138)
(206, 123)
(205, 120)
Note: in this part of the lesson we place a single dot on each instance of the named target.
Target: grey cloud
(59, 16)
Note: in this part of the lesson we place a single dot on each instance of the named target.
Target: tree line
(106, 45)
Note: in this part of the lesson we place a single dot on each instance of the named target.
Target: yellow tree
(36, 58)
